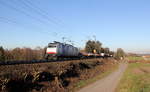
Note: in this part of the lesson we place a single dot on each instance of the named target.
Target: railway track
(40, 61)
(22, 62)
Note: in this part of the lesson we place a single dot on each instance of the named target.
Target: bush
(120, 54)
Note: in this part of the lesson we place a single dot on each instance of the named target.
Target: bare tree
(25, 54)
(2, 54)
(17, 54)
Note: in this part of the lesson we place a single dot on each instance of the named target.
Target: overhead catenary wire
(42, 13)
(39, 11)
(7, 20)
(55, 20)
(46, 13)
(12, 22)
(31, 7)
(21, 11)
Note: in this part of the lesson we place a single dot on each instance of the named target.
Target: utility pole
(63, 38)
(94, 37)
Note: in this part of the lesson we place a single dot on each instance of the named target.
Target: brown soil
(136, 61)
(50, 77)
(145, 69)
(137, 71)
(141, 70)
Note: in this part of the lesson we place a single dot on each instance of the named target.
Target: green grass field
(136, 78)
(135, 58)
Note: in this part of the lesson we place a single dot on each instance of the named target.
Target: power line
(10, 21)
(38, 10)
(9, 5)
(21, 11)
(7, 20)
(44, 13)
(31, 7)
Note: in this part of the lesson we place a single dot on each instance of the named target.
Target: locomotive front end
(51, 51)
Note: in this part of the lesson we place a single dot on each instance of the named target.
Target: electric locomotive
(57, 50)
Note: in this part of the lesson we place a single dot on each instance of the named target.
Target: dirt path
(146, 58)
(109, 83)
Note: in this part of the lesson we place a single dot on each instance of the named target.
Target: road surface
(107, 84)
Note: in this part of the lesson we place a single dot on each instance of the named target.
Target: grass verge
(136, 78)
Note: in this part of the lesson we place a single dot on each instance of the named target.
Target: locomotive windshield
(52, 45)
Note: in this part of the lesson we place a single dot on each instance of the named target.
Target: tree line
(96, 47)
(93, 46)
(21, 54)
(27, 54)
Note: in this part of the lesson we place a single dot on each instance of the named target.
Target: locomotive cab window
(52, 46)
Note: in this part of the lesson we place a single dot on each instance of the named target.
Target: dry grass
(51, 77)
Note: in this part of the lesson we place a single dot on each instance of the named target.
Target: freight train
(58, 50)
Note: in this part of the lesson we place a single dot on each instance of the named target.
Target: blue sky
(116, 23)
